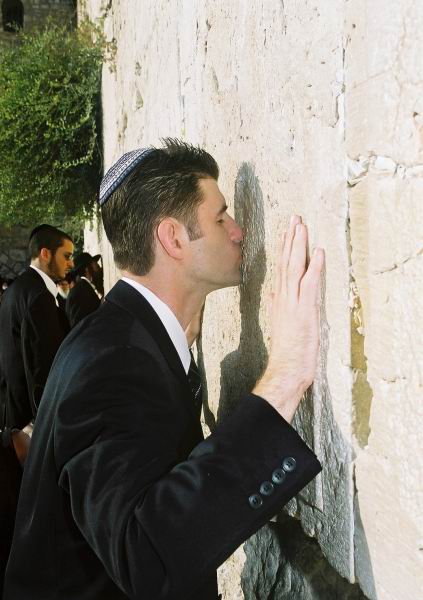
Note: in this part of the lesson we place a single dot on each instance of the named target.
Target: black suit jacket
(31, 334)
(121, 496)
(81, 301)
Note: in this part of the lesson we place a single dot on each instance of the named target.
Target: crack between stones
(400, 264)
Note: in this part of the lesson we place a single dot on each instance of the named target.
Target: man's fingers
(287, 247)
(297, 261)
(309, 288)
(278, 274)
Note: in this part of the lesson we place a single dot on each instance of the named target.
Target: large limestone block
(383, 71)
(383, 75)
(387, 261)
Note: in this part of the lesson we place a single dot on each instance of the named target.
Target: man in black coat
(122, 497)
(30, 332)
(84, 297)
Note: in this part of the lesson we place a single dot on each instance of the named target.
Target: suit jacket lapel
(133, 302)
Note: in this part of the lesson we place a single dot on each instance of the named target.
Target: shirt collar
(50, 285)
(90, 282)
(169, 320)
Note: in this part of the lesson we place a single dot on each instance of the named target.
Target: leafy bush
(50, 159)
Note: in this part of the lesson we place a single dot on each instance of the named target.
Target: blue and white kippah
(119, 171)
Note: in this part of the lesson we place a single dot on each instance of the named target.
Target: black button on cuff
(255, 501)
(278, 476)
(266, 488)
(289, 464)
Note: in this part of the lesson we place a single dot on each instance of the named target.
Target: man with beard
(84, 297)
(30, 327)
(31, 333)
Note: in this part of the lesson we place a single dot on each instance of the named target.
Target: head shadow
(241, 368)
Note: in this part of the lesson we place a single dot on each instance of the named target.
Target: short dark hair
(164, 184)
(46, 236)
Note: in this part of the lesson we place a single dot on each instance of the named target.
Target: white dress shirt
(50, 285)
(169, 320)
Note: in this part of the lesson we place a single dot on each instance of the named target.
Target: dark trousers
(10, 481)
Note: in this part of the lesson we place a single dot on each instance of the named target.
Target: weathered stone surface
(282, 563)
(387, 266)
(37, 11)
(13, 251)
(18, 254)
(384, 91)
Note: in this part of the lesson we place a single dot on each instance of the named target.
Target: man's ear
(172, 236)
(45, 255)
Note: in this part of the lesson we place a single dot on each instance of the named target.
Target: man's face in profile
(61, 261)
(216, 255)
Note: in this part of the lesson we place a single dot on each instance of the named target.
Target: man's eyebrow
(222, 210)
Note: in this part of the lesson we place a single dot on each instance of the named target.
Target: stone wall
(36, 12)
(384, 135)
(13, 251)
(311, 107)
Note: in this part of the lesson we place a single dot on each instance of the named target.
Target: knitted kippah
(119, 171)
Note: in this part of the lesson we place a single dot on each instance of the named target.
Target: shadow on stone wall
(285, 564)
(282, 561)
(242, 368)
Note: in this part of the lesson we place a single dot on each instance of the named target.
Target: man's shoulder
(81, 288)
(116, 323)
(26, 287)
(109, 325)
(108, 339)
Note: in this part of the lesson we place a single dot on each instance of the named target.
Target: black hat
(82, 261)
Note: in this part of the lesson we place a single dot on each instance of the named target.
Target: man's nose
(236, 234)
(70, 263)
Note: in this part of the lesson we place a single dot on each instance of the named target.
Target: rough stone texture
(13, 251)
(384, 91)
(36, 13)
(287, 565)
(311, 107)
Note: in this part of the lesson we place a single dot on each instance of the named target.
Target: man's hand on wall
(294, 323)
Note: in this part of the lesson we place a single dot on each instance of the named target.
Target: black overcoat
(81, 301)
(30, 335)
(121, 496)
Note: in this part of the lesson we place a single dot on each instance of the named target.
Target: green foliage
(50, 160)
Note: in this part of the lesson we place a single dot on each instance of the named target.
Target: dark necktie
(194, 379)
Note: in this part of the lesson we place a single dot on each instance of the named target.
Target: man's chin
(234, 280)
